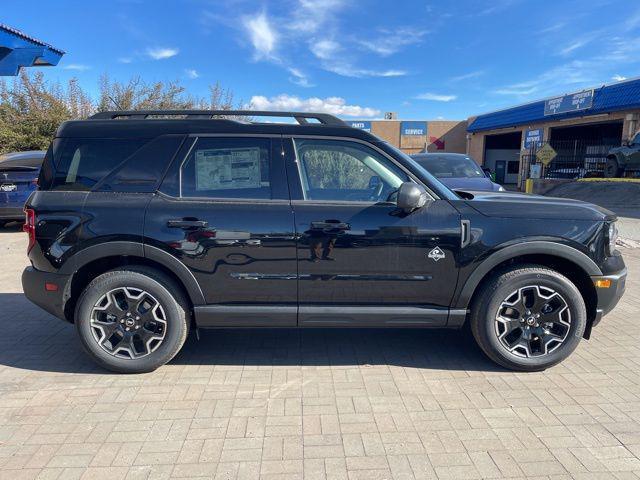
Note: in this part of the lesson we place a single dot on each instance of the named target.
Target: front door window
(334, 170)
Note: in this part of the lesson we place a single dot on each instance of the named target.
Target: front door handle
(185, 223)
(330, 225)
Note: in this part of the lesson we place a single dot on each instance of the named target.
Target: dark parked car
(144, 227)
(18, 177)
(457, 171)
(621, 159)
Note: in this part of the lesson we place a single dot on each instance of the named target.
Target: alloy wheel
(533, 321)
(128, 323)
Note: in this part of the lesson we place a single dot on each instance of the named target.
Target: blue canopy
(20, 50)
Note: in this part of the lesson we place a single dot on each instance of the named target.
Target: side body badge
(436, 254)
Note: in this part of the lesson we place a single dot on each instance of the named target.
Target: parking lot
(315, 403)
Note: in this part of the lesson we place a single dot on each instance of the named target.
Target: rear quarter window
(80, 163)
(119, 165)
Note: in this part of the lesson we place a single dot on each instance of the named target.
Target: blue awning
(623, 95)
(20, 50)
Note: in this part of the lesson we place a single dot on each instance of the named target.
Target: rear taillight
(30, 226)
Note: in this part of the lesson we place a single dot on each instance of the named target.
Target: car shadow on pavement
(11, 227)
(34, 340)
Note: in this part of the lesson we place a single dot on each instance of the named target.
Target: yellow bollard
(528, 185)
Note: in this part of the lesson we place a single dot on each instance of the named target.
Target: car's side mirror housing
(411, 196)
(487, 172)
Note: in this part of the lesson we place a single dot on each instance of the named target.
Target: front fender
(551, 249)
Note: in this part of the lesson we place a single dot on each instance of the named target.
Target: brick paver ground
(343, 404)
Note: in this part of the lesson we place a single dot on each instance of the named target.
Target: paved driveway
(317, 403)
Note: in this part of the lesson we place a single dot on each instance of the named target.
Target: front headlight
(502, 189)
(612, 236)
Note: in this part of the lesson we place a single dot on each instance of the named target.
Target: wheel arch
(97, 259)
(568, 261)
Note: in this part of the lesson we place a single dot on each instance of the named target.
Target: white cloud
(125, 60)
(324, 49)
(309, 16)
(579, 43)
(390, 42)
(570, 75)
(332, 105)
(77, 67)
(262, 35)
(335, 60)
(299, 77)
(435, 97)
(160, 53)
(191, 73)
(468, 76)
(618, 78)
(347, 70)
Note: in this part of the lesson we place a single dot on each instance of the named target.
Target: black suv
(148, 224)
(621, 159)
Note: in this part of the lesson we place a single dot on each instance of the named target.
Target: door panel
(357, 251)
(376, 256)
(241, 251)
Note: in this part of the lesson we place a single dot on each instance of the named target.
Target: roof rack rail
(301, 117)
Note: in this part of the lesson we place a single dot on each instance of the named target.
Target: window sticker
(228, 168)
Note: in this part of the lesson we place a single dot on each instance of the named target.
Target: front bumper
(33, 285)
(608, 297)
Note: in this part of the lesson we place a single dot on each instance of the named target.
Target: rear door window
(228, 168)
(82, 162)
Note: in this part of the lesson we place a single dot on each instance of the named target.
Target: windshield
(451, 167)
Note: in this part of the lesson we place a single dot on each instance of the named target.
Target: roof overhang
(20, 50)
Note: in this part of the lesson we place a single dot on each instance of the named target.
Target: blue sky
(355, 58)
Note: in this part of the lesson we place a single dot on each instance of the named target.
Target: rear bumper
(33, 285)
(609, 297)
(11, 213)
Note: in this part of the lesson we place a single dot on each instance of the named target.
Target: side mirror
(487, 171)
(411, 196)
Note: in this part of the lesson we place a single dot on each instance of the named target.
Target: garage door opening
(582, 149)
(502, 156)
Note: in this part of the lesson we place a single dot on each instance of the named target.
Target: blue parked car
(18, 178)
(457, 171)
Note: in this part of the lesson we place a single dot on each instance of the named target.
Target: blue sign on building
(533, 138)
(413, 128)
(362, 125)
(569, 103)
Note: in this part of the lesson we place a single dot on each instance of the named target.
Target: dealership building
(580, 126)
(416, 136)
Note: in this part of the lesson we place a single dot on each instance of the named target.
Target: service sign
(362, 125)
(569, 103)
(413, 128)
(533, 138)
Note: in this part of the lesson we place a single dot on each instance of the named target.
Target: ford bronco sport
(148, 224)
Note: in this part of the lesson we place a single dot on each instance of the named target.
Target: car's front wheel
(612, 169)
(528, 318)
(132, 320)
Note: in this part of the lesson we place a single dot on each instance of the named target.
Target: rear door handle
(182, 223)
(330, 225)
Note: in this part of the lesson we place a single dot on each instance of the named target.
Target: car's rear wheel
(132, 320)
(528, 318)
(612, 169)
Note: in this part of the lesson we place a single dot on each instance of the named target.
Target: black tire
(521, 280)
(612, 169)
(167, 294)
(3, 223)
